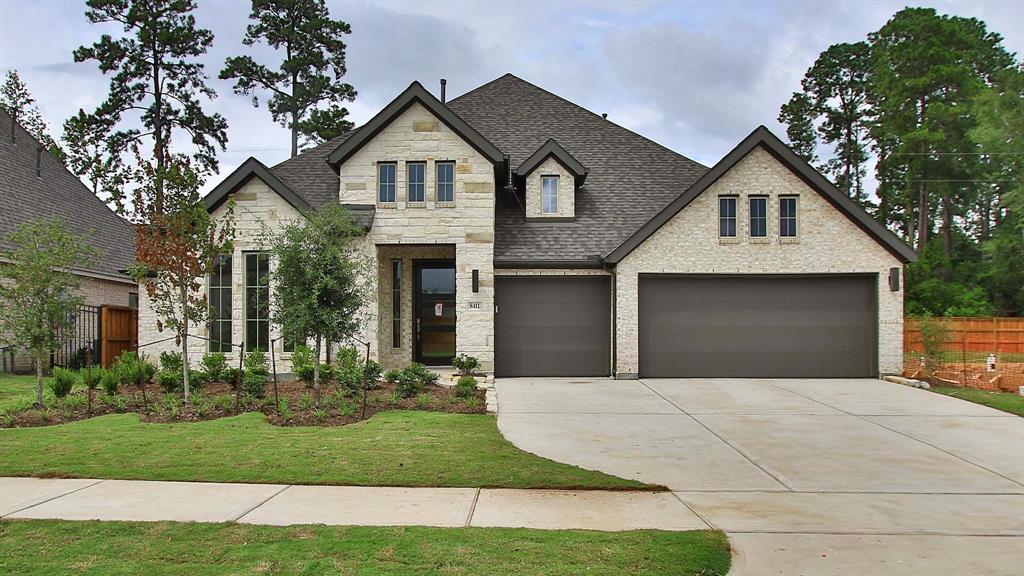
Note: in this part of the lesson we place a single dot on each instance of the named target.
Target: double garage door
(758, 326)
(691, 326)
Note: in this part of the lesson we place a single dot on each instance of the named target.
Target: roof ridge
(574, 104)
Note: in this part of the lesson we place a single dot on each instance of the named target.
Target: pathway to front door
(807, 476)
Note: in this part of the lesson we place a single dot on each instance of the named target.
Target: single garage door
(758, 326)
(552, 326)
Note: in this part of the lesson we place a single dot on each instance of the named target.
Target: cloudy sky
(694, 76)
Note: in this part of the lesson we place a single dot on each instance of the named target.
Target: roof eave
(764, 138)
(413, 94)
(253, 168)
(552, 149)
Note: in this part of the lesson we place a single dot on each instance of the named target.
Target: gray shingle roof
(630, 177)
(57, 193)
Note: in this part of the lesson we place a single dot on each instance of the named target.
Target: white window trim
(557, 180)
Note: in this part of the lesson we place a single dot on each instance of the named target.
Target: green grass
(14, 388)
(1005, 401)
(47, 547)
(394, 448)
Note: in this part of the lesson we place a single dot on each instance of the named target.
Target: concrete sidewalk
(282, 505)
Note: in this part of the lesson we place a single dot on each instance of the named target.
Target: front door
(434, 320)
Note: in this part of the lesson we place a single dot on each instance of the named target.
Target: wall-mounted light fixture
(476, 281)
(894, 279)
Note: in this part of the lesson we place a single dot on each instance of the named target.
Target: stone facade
(827, 242)
(257, 208)
(566, 203)
(466, 224)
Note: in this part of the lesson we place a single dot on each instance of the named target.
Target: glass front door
(434, 293)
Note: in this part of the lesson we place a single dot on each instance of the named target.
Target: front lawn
(394, 448)
(15, 388)
(55, 547)
(1005, 401)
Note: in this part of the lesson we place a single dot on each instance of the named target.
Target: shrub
(423, 401)
(256, 363)
(130, 368)
(171, 361)
(373, 372)
(197, 379)
(284, 410)
(391, 376)
(169, 380)
(426, 376)
(305, 402)
(302, 364)
(62, 382)
(254, 384)
(91, 377)
(409, 384)
(327, 373)
(466, 387)
(465, 364)
(109, 381)
(231, 375)
(214, 364)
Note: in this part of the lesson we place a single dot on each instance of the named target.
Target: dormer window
(549, 194)
(386, 182)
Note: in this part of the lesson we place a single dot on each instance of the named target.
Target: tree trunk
(158, 128)
(985, 214)
(39, 381)
(295, 137)
(922, 217)
(183, 330)
(947, 223)
(316, 373)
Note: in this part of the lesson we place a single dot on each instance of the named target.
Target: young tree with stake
(319, 280)
(38, 291)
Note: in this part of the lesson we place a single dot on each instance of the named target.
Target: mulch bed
(218, 400)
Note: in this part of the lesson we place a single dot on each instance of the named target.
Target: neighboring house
(515, 226)
(35, 185)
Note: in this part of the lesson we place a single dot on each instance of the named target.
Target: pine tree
(16, 100)
(309, 75)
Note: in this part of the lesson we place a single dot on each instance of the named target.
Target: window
(549, 194)
(133, 299)
(727, 216)
(415, 173)
(787, 216)
(386, 182)
(396, 303)
(445, 182)
(758, 216)
(219, 299)
(257, 301)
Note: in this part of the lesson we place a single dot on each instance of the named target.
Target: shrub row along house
(517, 227)
(34, 185)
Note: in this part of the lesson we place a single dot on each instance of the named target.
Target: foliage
(109, 382)
(91, 376)
(320, 282)
(255, 362)
(392, 376)
(38, 291)
(413, 379)
(62, 382)
(171, 361)
(940, 102)
(934, 335)
(169, 380)
(466, 365)
(131, 369)
(16, 100)
(309, 74)
(303, 364)
(466, 387)
(214, 364)
(175, 252)
(353, 372)
(231, 375)
(254, 379)
(155, 88)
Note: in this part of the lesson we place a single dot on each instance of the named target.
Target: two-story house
(515, 226)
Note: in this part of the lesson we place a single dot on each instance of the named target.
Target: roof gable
(413, 94)
(762, 137)
(253, 168)
(552, 149)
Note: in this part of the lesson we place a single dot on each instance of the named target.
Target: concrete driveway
(807, 476)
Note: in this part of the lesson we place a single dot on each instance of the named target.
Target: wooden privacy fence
(119, 331)
(985, 353)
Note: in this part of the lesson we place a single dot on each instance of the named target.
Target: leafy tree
(38, 289)
(157, 80)
(310, 74)
(89, 156)
(320, 280)
(16, 100)
(798, 115)
(176, 250)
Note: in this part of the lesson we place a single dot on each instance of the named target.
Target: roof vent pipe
(443, 84)
(605, 115)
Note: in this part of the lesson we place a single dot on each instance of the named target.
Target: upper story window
(219, 299)
(416, 177)
(445, 181)
(727, 216)
(787, 216)
(549, 194)
(386, 182)
(758, 216)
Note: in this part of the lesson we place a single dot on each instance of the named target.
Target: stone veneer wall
(827, 242)
(256, 205)
(566, 190)
(467, 224)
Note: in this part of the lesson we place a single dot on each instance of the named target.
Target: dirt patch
(217, 400)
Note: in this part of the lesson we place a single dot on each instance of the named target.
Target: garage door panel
(552, 326)
(716, 326)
